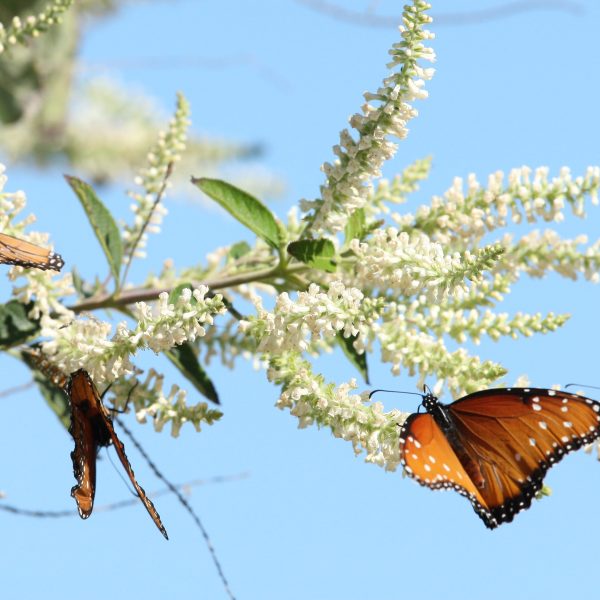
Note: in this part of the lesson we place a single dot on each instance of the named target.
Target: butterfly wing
(516, 434)
(120, 448)
(428, 457)
(92, 427)
(83, 400)
(14, 251)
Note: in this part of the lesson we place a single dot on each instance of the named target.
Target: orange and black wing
(516, 434)
(120, 448)
(93, 427)
(428, 457)
(84, 402)
(14, 251)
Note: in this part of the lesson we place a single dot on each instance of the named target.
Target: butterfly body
(92, 428)
(495, 446)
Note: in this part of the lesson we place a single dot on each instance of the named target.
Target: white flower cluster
(149, 400)
(85, 343)
(294, 326)
(465, 215)
(397, 191)
(348, 415)
(425, 354)
(472, 324)
(148, 213)
(19, 31)
(538, 253)
(409, 265)
(348, 185)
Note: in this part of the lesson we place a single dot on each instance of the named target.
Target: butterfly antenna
(592, 387)
(184, 503)
(118, 471)
(395, 392)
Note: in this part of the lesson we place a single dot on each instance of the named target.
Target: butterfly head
(430, 401)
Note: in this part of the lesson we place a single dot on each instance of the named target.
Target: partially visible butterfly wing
(120, 448)
(84, 402)
(14, 251)
(37, 360)
(428, 458)
(516, 435)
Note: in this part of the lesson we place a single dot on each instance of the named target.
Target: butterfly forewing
(517, 435)
(138, 488)
(14, 251)
(92, 427)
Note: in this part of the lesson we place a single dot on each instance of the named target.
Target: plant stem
(131, 296)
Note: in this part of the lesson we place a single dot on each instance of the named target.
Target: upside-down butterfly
(14, 251)
(92, 428)
(495, 446)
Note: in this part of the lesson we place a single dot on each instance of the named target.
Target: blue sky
(312, 521)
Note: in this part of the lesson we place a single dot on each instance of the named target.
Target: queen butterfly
(14, 251)
(495, 446)
(92, 428)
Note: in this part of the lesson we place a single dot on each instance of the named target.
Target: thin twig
(183, 502)
(16, 389)
(369, 19)
(159, 196)
(56, 514)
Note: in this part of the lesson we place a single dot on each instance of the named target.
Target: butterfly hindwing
(428, 458)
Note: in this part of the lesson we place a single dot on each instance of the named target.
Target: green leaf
(102, 223)
(177, 291)
(15, 326)
(238, 250)
(245, 208)
(355, 226)
(358, 360)
(315, 253)
(185, 359)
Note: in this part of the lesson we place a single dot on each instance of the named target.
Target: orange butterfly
(92, 428)
(14, 251)
(495, 446)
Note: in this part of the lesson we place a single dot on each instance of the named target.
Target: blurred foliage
(99, 129)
